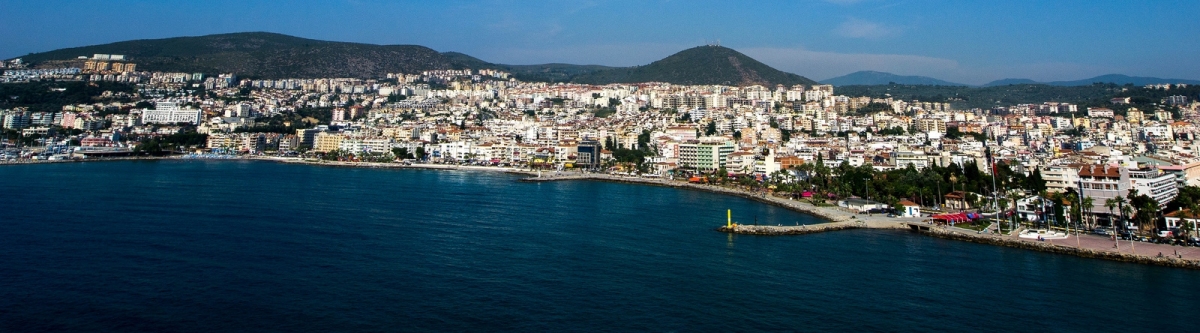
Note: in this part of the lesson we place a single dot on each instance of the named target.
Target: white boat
(1042, 234)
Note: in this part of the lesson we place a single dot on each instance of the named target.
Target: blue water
(198, 246)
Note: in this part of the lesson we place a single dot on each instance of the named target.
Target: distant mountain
(271, 56)
(265, 55)
(1110, 78)
(1005, 82)
(699, 65)
(867, 78)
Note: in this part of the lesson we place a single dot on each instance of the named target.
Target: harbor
(1087, 246)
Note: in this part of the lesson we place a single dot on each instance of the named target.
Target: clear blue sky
(964, 41)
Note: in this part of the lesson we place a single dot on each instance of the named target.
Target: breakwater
(781, 230)
(948, 233)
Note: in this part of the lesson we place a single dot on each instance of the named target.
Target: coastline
(835, 219)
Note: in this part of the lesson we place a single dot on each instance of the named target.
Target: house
(1180, 217)
(909, 209)
(956, 200)
(861, 205)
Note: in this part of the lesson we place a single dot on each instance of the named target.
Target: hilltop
(699, 65)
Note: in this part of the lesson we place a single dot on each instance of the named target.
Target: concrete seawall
(772, 230)
(1013, 242)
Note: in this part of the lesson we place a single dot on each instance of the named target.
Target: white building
(170, 113)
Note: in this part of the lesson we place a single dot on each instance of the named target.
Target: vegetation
(264, 55)
(171, 142)
(873, 108)
(51, 96)
(288, 123)
(986, 97)
(698, 66)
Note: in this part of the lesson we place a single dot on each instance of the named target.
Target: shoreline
(834, 219)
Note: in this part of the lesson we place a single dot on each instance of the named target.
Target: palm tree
(1013, 197)
(1193, 212)
(1086, 203)
(1111, 203)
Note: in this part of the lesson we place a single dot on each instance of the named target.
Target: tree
(421, 153)
(1085, 207)
(1111, 204)
(711, 129)
(1035, 182)
(401, 153)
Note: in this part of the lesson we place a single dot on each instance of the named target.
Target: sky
(972, 42)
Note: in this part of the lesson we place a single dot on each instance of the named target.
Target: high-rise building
(705, 154)
(588, 154)
(170, 113)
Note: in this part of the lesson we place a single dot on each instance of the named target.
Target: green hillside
(555, 72)
(699, 65)
(270, 55)
(263, 55)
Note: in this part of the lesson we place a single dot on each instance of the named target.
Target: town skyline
(816, 39)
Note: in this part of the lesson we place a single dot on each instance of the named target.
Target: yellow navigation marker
(728, 218)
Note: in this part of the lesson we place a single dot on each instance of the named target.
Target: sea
(252, 246)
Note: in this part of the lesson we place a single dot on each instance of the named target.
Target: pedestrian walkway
(1105, 243)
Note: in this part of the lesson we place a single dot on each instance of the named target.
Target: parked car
(1102, 231)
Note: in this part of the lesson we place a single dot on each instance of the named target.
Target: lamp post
(867, 187)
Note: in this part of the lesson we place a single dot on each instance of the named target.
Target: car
(1102, 231)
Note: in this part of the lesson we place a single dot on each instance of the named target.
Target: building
(588, 154)
(1179, 218)
(1102, 182)
(171, 113)
(909, 208)
(16, 120)
(1059, 178)
(917, 159)
(325, 142)
(1153, 182)
(306, 137)
(705, 154)
(926, 125)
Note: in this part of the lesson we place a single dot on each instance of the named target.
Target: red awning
(952, 217)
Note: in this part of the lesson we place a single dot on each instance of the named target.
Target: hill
(699, 65)
(264, 55)
(271, 56)
(554, 72)
(965, 97)
(875, 78)
(1118, 79)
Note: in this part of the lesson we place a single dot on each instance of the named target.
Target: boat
(1042, 234)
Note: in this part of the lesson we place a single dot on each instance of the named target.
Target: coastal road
(1104, 243)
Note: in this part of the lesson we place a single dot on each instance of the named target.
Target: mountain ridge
(272, 56)
(867, 78)
(1120, 79)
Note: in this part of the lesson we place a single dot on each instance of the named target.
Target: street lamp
(867, 187)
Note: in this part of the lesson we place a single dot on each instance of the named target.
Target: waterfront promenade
(1090, 246)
